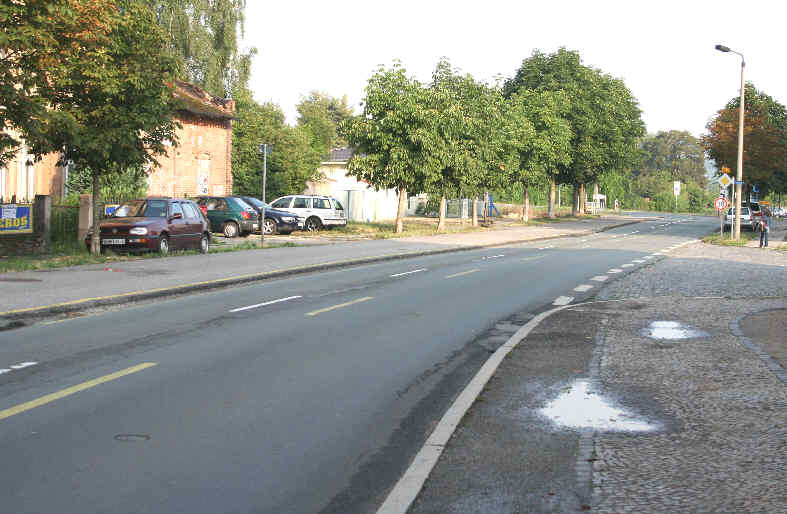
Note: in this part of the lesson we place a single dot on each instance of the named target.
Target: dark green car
(229, 215)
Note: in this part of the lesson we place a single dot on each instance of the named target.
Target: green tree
(115, 188)
(393, 135)
(605, 119)
(764, 135)
(542, 139)
(203, 35)
(292, 163)
(323, 114)
(674, 151)
(118, 113)
(39, 43)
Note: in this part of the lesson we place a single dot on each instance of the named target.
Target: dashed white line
(408, 272)
(583, 287)
(463, 273)
(627, 265)
(4, 370)
(494, 256)
(615, 270)
(648, 257)
(264, 304)
(563, 300)
(600, 278)
(23, 365)
(638, 261)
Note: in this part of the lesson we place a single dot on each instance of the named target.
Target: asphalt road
(295, 395)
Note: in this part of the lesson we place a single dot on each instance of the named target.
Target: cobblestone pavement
(724, 408)
(701, 420)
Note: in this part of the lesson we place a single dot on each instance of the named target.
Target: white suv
(314, 211)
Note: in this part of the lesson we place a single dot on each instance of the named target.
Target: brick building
(200, 164)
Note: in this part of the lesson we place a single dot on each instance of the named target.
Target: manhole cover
(132, 437)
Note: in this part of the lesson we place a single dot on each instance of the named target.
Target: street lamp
(739, 174)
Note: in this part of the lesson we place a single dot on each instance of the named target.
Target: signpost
(264, 149)
(676, 189)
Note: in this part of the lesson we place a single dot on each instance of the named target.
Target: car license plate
(113, 241)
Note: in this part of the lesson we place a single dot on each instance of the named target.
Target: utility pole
(264, 149)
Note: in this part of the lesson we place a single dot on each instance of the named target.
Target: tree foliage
(292, 163)
(323, 114)
(40, 43)
(203, 35)
(604, 117)
(764, 140)
(677, 152)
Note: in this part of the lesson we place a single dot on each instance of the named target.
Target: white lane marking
(584, 241)
(534, 258)
(635, 232)
(494, 256)
(627, 265)
(264, 303)
(408, 272)
(638, 261)
(648, 257)
(23, 365)
(4, 370)
(600, 278)
(654, 254)
(563, 300)
(583, 287)
(615, 270)
(613, 236)
(463, 273)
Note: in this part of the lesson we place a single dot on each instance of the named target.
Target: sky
(664, 50)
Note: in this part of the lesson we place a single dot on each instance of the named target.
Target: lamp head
(722, 48)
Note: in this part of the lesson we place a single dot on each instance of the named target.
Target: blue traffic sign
(738, 182)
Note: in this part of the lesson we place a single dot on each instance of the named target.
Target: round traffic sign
(720, 203)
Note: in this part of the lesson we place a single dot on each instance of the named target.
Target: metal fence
(65, 223)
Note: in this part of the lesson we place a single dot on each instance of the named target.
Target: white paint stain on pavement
(578, 407)
(671, 330)
(563, 300)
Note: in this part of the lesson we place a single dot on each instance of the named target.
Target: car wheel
(163, 245)
(204, 243)
(269, 225)
(312, 224)
(230, 229)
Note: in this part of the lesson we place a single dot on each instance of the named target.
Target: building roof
(338, 155)
(196, 100)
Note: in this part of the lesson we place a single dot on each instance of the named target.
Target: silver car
(746, 218)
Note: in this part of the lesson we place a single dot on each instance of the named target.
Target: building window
(203, 176)
(25, 178)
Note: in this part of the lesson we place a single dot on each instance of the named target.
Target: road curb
(15, 317)
(410, 484)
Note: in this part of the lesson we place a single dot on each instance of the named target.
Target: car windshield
(243, 205)
(253, 201)
(143, 208)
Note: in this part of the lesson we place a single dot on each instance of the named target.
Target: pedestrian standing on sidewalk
(764, 231)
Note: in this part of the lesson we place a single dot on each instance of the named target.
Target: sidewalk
(47, 292)
(668, 393)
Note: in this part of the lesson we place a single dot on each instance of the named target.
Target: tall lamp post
(739, 172)
(264, 149)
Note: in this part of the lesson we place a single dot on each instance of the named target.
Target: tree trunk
(95, 243)
(551, 211)
(575, 204)
(526, 205)
(486, 206)
(400, 211)
(582, 199)
(441, 223)
(475, 211)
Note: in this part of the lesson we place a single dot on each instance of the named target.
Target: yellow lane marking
(359, 300)
(22, 407)
(463, 273)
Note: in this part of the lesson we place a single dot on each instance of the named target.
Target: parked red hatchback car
(155, 223)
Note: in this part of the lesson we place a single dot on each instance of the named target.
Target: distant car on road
(316, 211)
(276, 222)
(229, 215)
(155, 223)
